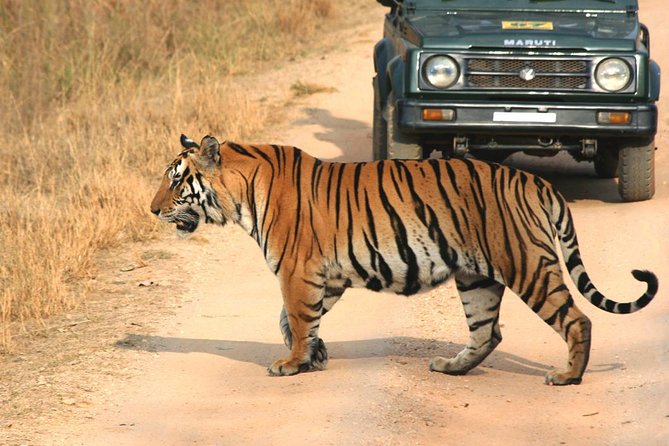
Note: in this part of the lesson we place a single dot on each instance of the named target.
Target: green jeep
(492, 77)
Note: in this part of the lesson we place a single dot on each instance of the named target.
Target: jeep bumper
(549, 120)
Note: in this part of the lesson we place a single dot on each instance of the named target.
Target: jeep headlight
(441, 71)
(613, 74)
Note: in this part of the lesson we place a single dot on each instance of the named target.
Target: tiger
(398, 226)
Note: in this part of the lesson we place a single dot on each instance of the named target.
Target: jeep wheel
(400, 145)
(606, 163)
(380, 128)
(636, 172)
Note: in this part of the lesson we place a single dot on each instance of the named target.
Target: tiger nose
(155, 211)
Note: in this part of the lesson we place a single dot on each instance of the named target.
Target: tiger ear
(209, 151)
(188, 143)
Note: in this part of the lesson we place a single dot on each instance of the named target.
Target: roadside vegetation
(94, 96)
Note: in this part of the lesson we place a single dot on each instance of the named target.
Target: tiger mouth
(188, 222)
(187, 226)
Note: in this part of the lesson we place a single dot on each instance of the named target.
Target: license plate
(548, 118)
(525, 24)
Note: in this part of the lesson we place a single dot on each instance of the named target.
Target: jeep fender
(654, 74)
(395, 75)
(382, 53)
(389, 70)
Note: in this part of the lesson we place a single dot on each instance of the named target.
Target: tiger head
(187, 194)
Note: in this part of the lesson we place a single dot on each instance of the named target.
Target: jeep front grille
(527, 74)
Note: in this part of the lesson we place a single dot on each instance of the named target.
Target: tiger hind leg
(553, 303)
(481, 298)
(575, 330)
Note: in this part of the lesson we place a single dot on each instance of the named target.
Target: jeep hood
(588, 31)
(549, 6)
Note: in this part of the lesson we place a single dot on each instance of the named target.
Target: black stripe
(446, 199)
(584, 284)
(297, 179)
(507, 220)
(349, 233)
(373, 255)
(314, 233)
(449, 171)
(306, 318)
(333, 292)
(401, 239)
(483, 283)
(495, 306)
(374, 284)
(313, 284)
(250, 197)
(339, 194)
(315, 176)
(476, 325)
(624, 308)
(574, 260)
(356, 182)
(283, 254)
(240, 149)
(596, 299)
(419, 204)
(560, 312)
(277, 154)
(568, 326)
(317, 307)
(268, 200)
(396, 184)
(370, 221)
(448, 254)
(331, 167)
(262, 154)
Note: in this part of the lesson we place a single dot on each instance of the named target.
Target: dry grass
(95, 93)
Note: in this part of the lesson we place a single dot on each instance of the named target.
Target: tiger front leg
(300, 320)
(319, 356)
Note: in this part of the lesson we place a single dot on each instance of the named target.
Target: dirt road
(201, 379)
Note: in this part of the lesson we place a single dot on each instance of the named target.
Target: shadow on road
(575, 180)
(351, 136)
(262, 353)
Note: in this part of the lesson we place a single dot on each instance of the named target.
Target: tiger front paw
(450, 366)
(319, 355)
(556, 378)
(288, 367)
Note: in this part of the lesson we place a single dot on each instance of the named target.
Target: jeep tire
(636, 172)
(606, 163)
(380, 127)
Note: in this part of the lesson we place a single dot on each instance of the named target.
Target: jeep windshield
(618, 6)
